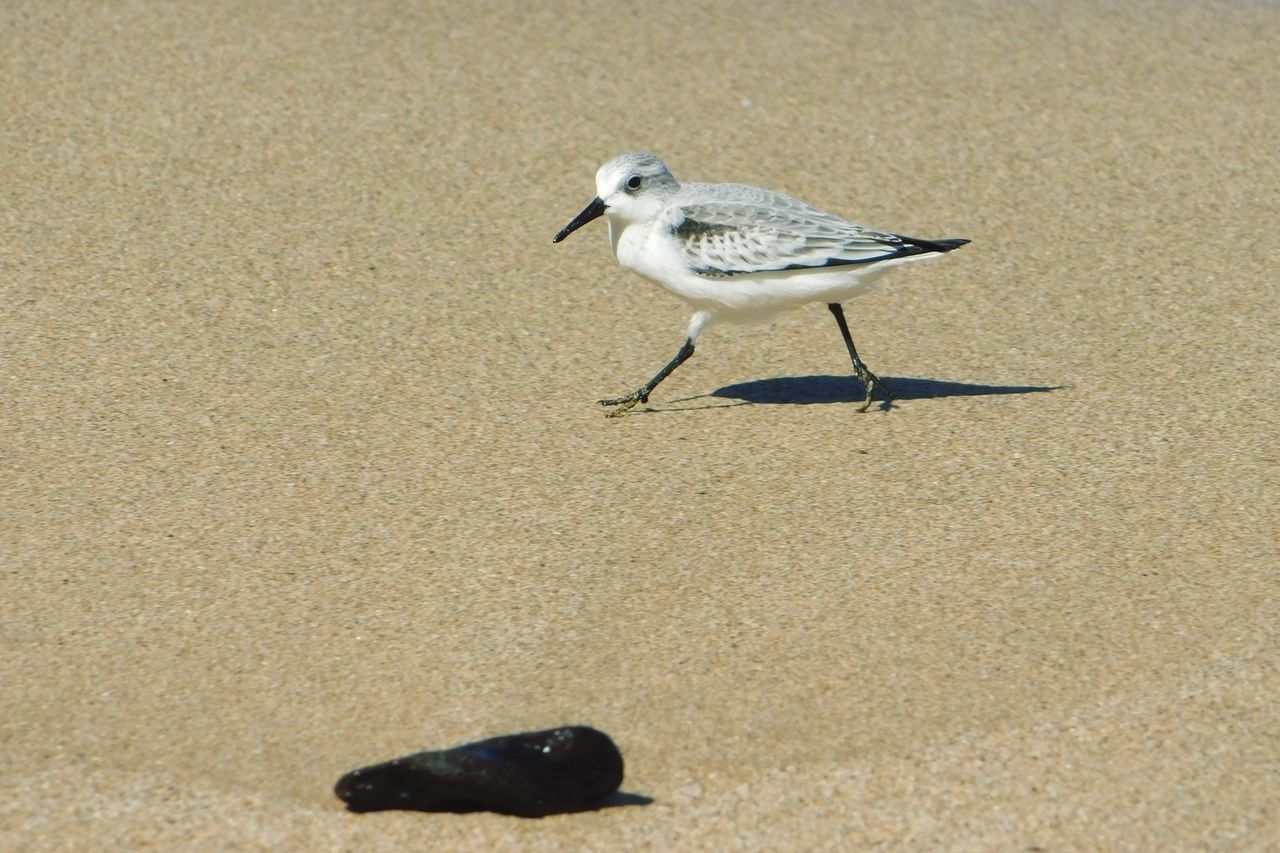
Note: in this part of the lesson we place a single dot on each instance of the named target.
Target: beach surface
(301, 467)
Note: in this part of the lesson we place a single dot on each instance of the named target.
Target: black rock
(532, 774)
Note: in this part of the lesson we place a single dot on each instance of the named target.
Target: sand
(301, 468)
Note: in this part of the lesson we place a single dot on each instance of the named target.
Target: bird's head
(632, 187)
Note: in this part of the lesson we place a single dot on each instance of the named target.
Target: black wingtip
(938, 245)
(917, 245)
(929, 245)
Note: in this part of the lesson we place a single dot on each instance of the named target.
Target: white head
(631, 187)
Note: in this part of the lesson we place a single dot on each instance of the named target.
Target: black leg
(641, 394)
(859, 369)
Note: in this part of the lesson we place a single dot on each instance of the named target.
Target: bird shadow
(618, 799)
(817, 390)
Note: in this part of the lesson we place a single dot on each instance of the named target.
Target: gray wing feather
(733, 229)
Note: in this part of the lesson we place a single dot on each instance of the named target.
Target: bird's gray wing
(731, 229)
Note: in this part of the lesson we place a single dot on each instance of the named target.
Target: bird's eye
(633, 182)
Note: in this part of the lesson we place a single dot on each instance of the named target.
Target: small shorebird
(738, 253)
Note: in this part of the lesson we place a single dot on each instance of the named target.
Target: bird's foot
(873, 384)
(623, 404)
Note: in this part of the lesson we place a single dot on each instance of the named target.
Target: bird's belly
(743, 298)
(746, 298)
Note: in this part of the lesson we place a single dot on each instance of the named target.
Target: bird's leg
(641, 394)
(859, 369)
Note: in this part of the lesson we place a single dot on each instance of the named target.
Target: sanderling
(738, 253)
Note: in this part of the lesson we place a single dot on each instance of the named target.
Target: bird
(739, 253)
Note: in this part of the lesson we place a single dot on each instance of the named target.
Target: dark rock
(532, 774)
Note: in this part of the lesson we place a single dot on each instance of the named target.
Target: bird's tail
(937, 245)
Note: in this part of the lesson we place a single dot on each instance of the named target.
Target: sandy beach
(301, 466)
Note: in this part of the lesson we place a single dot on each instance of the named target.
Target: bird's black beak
(592, 211)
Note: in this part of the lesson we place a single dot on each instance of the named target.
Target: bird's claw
(623, 404)
(873, 384)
